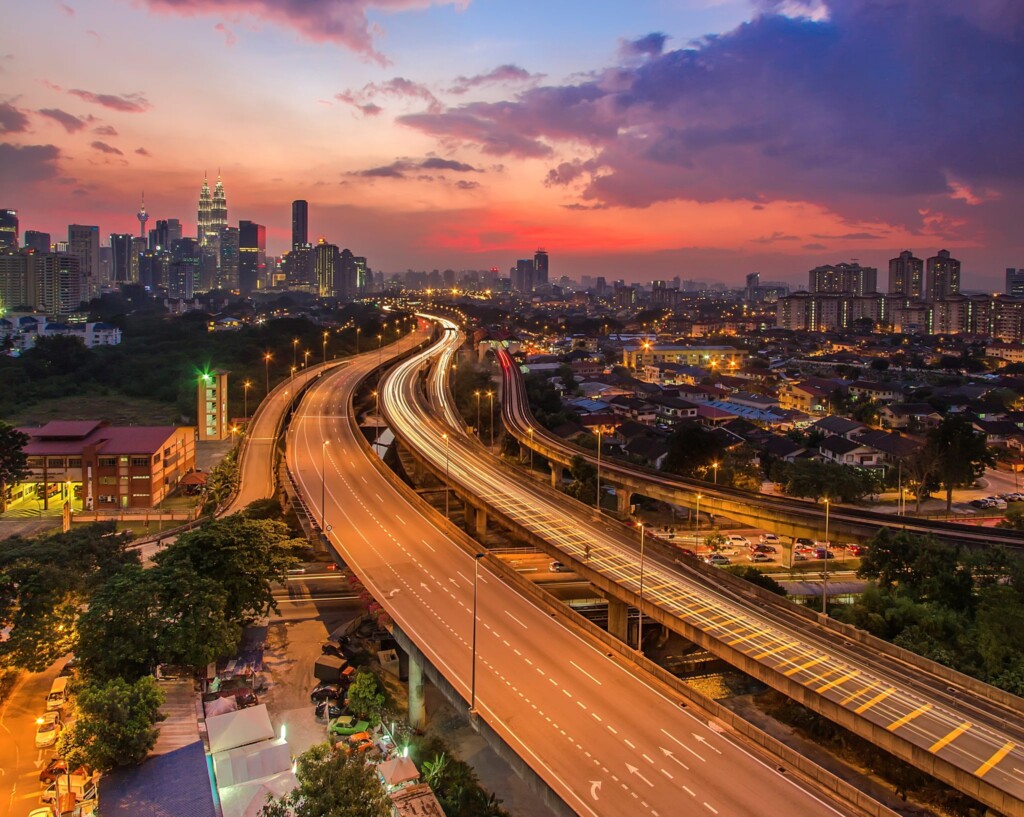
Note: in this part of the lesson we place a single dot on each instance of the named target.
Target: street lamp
(824, 575)
(472, 683)
(599, 469)
(446, 483)
(376, 417)
(714, 467)
(477, 395)
(245, 400)
(323, 487)
(380, 351)
(530, 431)
(293, 374)
(325, 347)
(305, 358)
(358, 330)
(267, 357)
(490, 396)
(640, 619)
(696, 519)
(295, 351)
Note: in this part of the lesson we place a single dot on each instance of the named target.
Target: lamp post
(293, 374)
(472, 674)
(267, 357)
(490, 396)
(245, 400)
(696, 519)
(476, 394)
(530, 431)
(325, 347)
(323, 487)
(824, 575)
(358, 330)
(714, 467)
(598, 501)
(640, 619)
(446, 483)
(295, 351)
(380, 351)
(305, 358)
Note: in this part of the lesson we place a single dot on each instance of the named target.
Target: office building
(203, 213)
(942, 276)
(121, 258)
(166, 233)
(299, 267)
(84, 244)
(325, 264)
(522, 275)
(184, 269)
(37, 241)
(906, 276)
(8, 228)
(842, 279)
(1014, 281)
(228, 270)
(218, 210)
(540, 268)
(300, 224)
(252, 256)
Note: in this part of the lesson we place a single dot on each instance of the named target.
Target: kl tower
(143, 217)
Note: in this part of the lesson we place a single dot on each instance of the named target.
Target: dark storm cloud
(877, 105)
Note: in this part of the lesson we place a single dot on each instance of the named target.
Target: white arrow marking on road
(394, 593)
(701, 739)
(595, 787)
(671, 756)
(635, 771)
(687, 748)
(425, 587)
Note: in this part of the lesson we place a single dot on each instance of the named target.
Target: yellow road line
(943, 742)
(782, 646)
(733, 642)
(892, 727)
(1002, 752)
(794, 670)
(842, 680)
(881, 696)
(855, 695)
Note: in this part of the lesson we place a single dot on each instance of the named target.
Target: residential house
(879, 392)
(835, 426)
(672, 410)
(903, 416)
(848, 452)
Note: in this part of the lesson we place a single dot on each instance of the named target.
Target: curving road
(606, 741)
(977, 736)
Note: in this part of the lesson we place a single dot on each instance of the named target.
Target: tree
(755, 576)
(816, 479)
(691, 450)
(960, 453)
(244, 555)
(332, 784)
(584, 481)
(116, 724)
(13, 461)
(365, 697)
(921, 467)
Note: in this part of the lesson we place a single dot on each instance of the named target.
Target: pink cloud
(70, 122)
(398, 88)
(143, 152)
(106, 130)
(229, 36)
(103, 147)
(126, 103)
(12, 120)
(503, 74)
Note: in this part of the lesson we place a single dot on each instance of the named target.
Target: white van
(58, 694)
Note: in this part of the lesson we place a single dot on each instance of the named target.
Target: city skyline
(693, 142)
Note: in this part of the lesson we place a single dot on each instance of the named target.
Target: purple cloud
(103, 147)
(106, 130)
(70, 122)
(143, 152)
(776, 236)
(402, 168)
(502, 74)
(25, 164)
(398, 87)
(126, 103)
(342, 22)
(848, 236)
(12, 120)
(785, 107)
(650, 45)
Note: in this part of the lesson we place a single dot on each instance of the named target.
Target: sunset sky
(637, 140)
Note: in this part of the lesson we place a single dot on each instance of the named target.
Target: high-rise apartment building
(1014, 281)
(14, 278)
(843, 278)
(84, 244)
(8, 228)
(942, 276)
(228, 278)
(522, 275)
(252, 256)
(58, 283)
(540, 268)
(300, 224)
(185, 268)
(121, 252)
(326, 263)
(906, 276)
(37, 241)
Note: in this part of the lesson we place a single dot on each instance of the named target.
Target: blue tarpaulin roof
(176, 784)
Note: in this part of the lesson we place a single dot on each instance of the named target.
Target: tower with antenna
(142, 216)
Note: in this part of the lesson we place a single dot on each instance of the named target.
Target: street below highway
(604, 738)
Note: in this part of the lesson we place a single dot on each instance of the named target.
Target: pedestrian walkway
(181, 728)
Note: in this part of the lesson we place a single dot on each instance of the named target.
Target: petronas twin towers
(213, 213)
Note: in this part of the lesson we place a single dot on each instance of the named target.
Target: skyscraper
(906, 276)
(943, 276)
(1014, 281)
(84, 244)
(37, 241)
(204, 214)
(326, 266)
(843, 278)
(300, 224)
(228, 259)
(540, 268)
(8, 228)
(218, 209)
(121, 251)
(252, 256)
(166, 233)
(186, 262)
(522, 275)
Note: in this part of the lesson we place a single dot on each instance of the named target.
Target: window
(108, 462)
(108, 480)
(75, 462)
(140, 476)
(140, 461)
(109, 500)
(55, 462)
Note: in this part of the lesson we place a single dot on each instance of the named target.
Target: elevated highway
(782, 515)
(606, 738)
(959, 730)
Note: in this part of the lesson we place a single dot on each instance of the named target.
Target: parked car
(822, 553)
(760, 557)
(51, 771)
(44, 811)
(558, 567)
(717, 559)
(328, 709)
(48, 729)
(323, 691)
(799, 556)
(738, 541)
(764, 549)
(339, 649)
(347, 725)
(770, 539)
(803, 541)
(69, 667)
(688, 552)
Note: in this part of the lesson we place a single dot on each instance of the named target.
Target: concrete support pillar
(618, 619)
(479, 528)
(417, 703)
(622, 496)
(556, 475)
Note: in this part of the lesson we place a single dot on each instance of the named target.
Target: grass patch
(116, 409)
